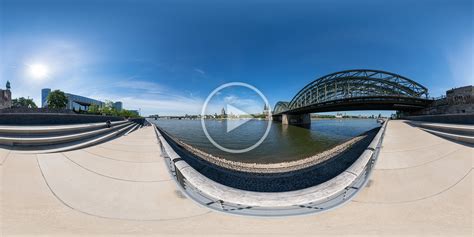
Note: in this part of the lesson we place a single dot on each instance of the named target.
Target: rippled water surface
(283, 143)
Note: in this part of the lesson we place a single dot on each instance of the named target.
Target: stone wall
(460, 100)
(457, 101)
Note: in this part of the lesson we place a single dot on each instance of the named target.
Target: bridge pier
(276, 118)
(296, 119)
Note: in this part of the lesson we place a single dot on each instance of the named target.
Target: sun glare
(38, 71)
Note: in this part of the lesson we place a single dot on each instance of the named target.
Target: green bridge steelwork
(361, 89)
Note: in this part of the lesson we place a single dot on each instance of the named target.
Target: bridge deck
(422, 185)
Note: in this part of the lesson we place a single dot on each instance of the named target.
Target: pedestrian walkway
(421, 185)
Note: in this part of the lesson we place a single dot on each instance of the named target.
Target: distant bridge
(360, 89)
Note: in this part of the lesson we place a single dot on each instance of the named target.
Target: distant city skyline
(165, 57)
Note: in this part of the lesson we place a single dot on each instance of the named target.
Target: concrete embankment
(297, 175)
(467, 118)
(281, 167)
(327, 194)
(53, 118)
(456, 132)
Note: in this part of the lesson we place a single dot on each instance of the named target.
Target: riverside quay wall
(321, 197)
(276, 177)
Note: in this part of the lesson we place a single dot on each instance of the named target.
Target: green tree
(94, 109)
(108, 109)
(22, 102)
(57, 100)
(127, 114)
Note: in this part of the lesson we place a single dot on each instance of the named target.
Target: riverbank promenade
(420, 185)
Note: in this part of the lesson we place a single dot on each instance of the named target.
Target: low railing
(321, 197)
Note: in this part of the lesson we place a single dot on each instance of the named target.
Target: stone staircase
(456, 132)
(58, 138)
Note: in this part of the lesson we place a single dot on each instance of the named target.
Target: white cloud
(171, 105)
(200, 71)
(133, 83)
(247, 105)
(230, 99)
(69, 66)
(72, 70)
(150, 98)
(64, 59)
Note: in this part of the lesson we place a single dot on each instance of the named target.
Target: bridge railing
(309, 200)
(302, 102)
(391, 99)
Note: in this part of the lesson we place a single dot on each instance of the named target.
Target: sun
(38, 71)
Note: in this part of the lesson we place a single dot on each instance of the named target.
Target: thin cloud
(245, 104)
(200, 71)
(170, 104)
(132, 83)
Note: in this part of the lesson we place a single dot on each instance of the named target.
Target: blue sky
(165, 57)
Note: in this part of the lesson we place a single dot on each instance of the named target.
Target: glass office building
(76, 102)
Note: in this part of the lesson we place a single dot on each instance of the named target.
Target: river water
(283, 143)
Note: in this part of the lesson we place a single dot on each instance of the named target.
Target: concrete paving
(421, 185)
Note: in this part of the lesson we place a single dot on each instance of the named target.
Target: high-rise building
(118, 105)
(44, 97)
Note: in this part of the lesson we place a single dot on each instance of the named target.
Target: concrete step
(53, 129)
(447, 128)
(132, 129)
(456, 137)
(45, 139)
(75, 144)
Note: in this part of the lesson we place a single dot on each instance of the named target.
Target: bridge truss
(355, 86)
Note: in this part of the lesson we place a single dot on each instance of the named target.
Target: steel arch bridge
(361, 89)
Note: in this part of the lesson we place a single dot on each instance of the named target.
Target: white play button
(235, 123)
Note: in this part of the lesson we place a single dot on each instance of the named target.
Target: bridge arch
(280, 107)
(356, 85)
